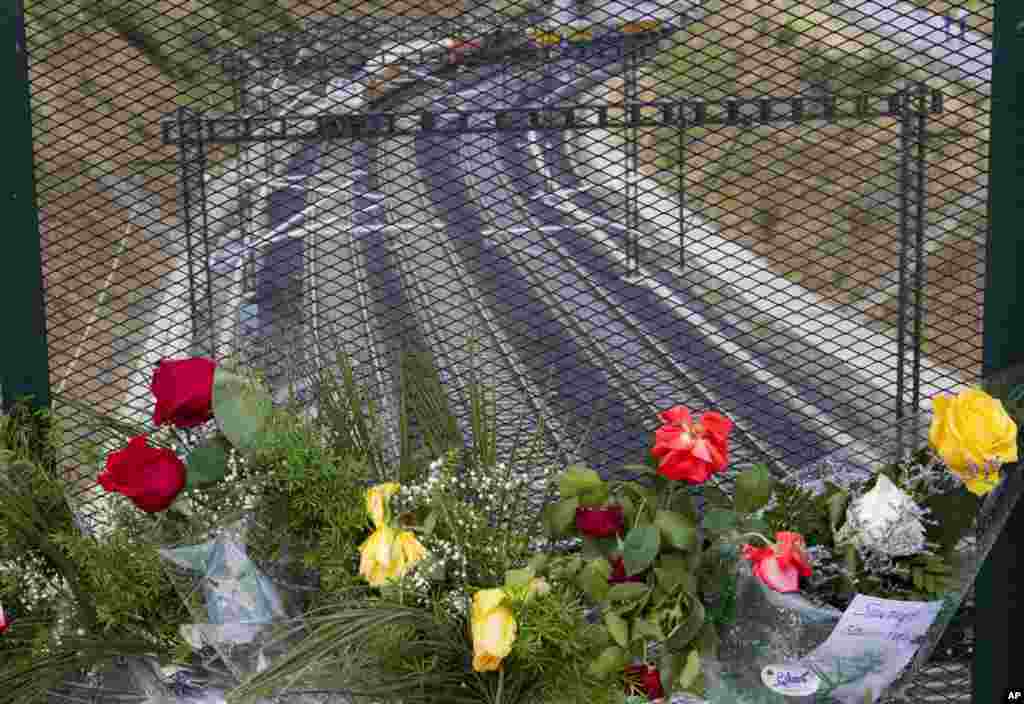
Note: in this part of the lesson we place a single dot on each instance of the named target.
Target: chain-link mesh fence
(771, 208)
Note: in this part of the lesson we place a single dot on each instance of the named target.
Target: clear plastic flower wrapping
(792, 634)
(246, 604)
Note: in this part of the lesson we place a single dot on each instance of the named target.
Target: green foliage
(798, 509)
(128, 587)
(312, 496)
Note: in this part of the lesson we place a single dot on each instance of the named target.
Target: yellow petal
(377, 555)
(485, 601)
(486, 663)
(412, 549)
(982, 482)
(493, 637)
(376, 501)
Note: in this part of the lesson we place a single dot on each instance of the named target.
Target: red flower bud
(619, 573)
(600, 522)
(646, 679)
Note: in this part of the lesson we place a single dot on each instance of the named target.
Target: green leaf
(676, 578)
(669, 667)
(640, 548)
(756, 525)
(691, 671)
(599, 547)
(689, 629)
(539, 562)
(837, 504)
(560, 517)
(578, 480)
(715, 497)
(628, 509)
(242, 410)
(597, 496)
(430, 523)
(706, 641)
(677, 530)
(641, 469)
(682, 502)
(718, 520)
(643, 496)
(618, 628)
(612, 659)
(753, 489)
(627, 591)
(593, 579)
(646, 629)
(518, 578)
(206, 465)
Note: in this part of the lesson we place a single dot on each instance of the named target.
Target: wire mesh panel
(773, 209)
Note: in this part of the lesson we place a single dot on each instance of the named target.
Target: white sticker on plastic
(790, 680)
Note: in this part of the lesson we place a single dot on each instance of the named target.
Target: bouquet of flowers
(297, 560)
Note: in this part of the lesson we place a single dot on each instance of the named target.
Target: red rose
(4, 623)
(646, 679)
(151, 477)
(780, 565)
(619, 573)
(691, 451)
(184, 391)
(600, 522)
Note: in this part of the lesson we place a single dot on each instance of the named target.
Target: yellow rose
(494, 629)
(973, 435)
(377, 501)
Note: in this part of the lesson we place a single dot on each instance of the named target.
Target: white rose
(884, 520)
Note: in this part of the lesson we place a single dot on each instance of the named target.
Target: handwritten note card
(872, 643)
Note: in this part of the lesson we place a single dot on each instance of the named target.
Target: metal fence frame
(24, 369)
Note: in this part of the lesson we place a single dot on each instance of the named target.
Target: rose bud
(645, 679)
(600, 522)
(619, 576)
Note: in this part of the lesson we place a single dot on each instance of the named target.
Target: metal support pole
(192, 158)
(681, 158)
(631, 92)
(921, 193)
(24, 370)
(997, 591)
(906, 144)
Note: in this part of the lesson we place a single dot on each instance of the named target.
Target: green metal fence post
(23, 359)
(997, 587)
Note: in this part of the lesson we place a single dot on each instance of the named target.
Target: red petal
(677, 415)
(670, 438)
(781, 578)
(716, 424)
